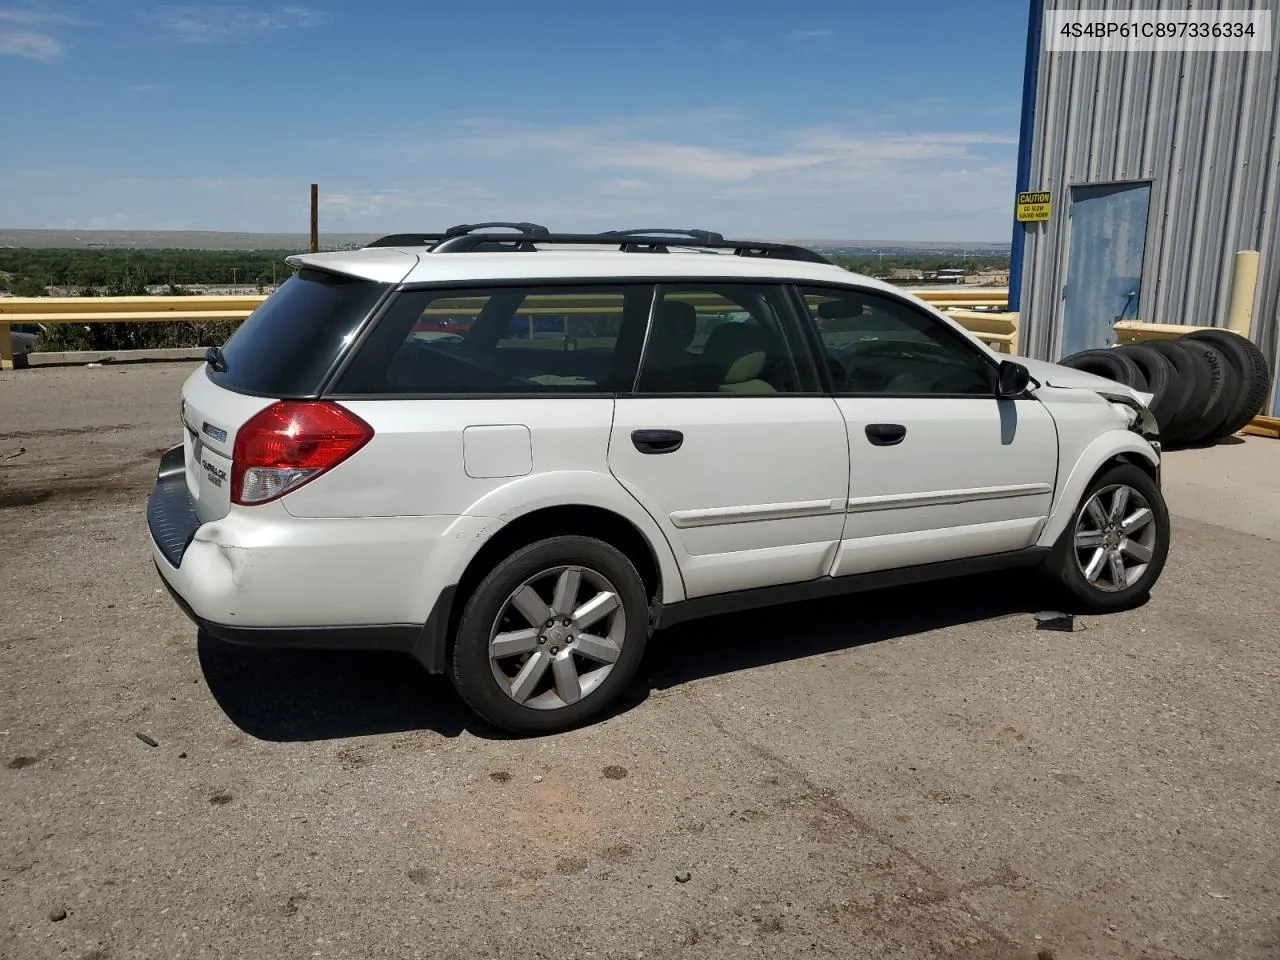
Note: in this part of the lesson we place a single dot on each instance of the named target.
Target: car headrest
(842, 309)
(674, 326)
(745, 368)
(732, 341)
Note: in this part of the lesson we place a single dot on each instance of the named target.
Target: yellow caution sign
(1033, 206)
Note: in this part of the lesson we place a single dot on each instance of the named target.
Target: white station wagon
(515, 454)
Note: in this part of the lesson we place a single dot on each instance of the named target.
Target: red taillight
(290, 443)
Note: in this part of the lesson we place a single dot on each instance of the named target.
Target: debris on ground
(684, 877)
(57, 914)
(19, 452)
(149, 741)
(1055, 620)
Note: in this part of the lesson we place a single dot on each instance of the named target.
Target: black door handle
(885, 434)
(657, 441)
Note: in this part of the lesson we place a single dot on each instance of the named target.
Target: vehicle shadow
(704, 648)
(305, 695)
(302, 695)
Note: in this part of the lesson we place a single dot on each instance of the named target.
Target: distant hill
(175, 240)
(225, 240)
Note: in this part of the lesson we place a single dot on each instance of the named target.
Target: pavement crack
(828, 803)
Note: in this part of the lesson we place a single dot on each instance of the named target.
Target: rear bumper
(259, 576)
(402, 638)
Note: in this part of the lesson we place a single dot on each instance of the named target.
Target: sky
(823, 119)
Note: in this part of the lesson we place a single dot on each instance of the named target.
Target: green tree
(27, 287)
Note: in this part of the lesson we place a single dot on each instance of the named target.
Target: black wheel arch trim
(666, 615)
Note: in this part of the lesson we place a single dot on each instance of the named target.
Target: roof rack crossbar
(701, 235)
(484, 242)
(531, 229)
(408, 240)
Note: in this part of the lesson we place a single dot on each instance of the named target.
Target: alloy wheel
(557, 637)
(1114, 537)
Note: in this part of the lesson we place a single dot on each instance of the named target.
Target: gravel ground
(916, 773)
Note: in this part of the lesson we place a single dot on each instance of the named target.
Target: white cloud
(30, 44)
(838, 181)
(26, 31)
(207, 24)
(40, 17)
(810, 35)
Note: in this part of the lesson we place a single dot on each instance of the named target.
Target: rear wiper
(214, 358)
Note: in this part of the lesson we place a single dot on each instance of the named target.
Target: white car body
(767, 496)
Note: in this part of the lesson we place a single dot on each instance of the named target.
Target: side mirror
(1012, 380)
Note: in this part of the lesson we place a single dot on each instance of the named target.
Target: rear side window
(289, 343)
(504, 340)
(725, 338)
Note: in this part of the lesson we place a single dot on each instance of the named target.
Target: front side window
(566, 340)
(724, 339)
(877, 344)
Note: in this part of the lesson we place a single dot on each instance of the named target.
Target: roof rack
(407, 240)
(529, 237)
(461, 230)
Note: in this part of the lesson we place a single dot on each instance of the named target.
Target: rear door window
(287, 346)
(725, 338)
(504, 340)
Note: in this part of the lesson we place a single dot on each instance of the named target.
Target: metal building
(1160, 166)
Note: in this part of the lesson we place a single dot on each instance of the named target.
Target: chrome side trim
(712, 516)
(941, 497)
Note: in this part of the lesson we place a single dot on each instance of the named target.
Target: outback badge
(216, 432)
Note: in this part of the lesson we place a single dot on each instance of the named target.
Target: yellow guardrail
(995, 328)
(1136, 331)
(1000, 330)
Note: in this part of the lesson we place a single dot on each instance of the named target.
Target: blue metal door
(1104, 274)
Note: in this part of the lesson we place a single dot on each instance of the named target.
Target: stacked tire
(1206, 385)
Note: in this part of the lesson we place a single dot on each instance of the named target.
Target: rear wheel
(552, 636)
(1115, 547)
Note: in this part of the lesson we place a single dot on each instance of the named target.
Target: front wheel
(1112, 552)
(551, 636)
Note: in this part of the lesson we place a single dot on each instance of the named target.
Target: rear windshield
(289, 343)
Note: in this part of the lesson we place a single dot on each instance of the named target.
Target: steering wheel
(870, 363)
(898, 350)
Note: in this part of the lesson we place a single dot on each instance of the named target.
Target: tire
(1067, 564)
(1249, 365)
(1188, 391)
(1108, 363)
(537, 705)
(1224, 388)
(1168, 389)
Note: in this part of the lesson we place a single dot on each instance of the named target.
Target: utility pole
(315, 218)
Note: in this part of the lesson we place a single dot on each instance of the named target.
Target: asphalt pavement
(912, 773)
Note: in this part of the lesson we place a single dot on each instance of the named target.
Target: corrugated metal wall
(1204, 128)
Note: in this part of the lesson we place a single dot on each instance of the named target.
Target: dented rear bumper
(261, 576)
